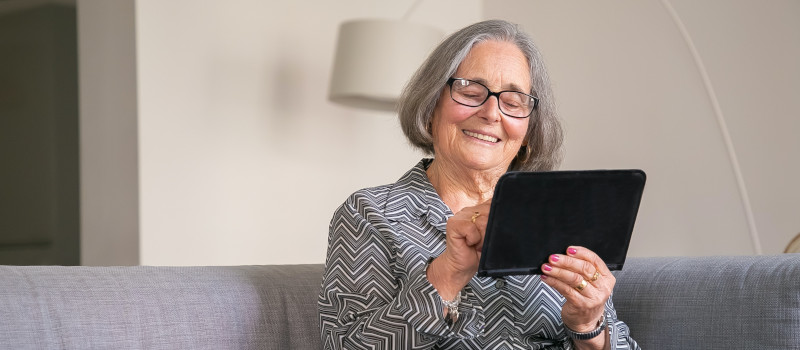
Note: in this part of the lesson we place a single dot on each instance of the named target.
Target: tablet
(536, 214)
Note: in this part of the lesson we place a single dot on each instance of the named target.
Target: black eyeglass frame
(490, 94)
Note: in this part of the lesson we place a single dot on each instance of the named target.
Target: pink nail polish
(554, 257)
(572, 251)
(544, 277)
(547, 267)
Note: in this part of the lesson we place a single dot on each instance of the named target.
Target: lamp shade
(375, 58)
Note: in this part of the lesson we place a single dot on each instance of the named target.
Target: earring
(522, 154)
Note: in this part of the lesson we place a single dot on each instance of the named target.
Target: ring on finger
(596, 276)
(475, 216)
(582, 285)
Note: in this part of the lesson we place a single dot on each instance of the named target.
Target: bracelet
(601, 326)
(452, 307)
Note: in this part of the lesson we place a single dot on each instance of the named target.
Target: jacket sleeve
(365, 304)
(619, 333)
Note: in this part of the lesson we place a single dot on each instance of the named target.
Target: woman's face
(482, 138)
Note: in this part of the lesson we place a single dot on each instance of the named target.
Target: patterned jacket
(375, 294)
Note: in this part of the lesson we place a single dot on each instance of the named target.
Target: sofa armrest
(146, 307)
(733, 302)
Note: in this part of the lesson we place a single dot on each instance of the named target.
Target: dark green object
(39, 149)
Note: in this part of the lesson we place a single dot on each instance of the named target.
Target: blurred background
(189, 132)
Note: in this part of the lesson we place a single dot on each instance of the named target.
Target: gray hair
(420, 95)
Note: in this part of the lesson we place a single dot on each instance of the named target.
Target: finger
(469, 224)
(575, 264)
(565, 282)
(475, 238)
(556, 269)
(459, 233)
(477, 215)
(480, 219)
(588, 255)
(483, 208)
(473, 235)
(594, 265)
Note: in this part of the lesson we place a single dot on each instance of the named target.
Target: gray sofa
(745, 302)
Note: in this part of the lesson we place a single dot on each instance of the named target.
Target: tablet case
(536, 214)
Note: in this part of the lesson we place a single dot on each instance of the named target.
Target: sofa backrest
(235, 307)
(735, 302)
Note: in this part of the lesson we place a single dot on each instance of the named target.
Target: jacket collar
(413, 196)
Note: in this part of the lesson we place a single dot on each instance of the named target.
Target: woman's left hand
(585, 301)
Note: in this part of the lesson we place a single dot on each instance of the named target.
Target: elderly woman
(402, 258)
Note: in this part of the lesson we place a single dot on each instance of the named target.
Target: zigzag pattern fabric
(375, 294)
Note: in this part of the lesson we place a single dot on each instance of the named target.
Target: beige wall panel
(631, 96)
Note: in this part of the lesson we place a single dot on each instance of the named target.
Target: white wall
(632, 97)
(235, 169)
(242, 160)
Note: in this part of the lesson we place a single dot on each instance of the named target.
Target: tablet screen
(536, 214)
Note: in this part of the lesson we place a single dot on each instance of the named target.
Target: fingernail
(572, 251)
(547, 267)
(554, 258)
(544, 277)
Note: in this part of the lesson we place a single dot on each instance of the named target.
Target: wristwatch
(601, 326)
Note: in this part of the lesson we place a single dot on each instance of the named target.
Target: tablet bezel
(632, 179)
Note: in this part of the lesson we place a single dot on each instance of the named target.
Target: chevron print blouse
(375, 294)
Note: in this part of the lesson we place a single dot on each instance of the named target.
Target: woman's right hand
(452, 270)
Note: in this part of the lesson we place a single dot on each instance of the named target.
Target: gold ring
(582, 285)
(596, 276)
(475, 216)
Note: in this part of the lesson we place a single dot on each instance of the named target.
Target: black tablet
(536, 214)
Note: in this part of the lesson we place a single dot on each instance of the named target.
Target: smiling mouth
(481, 136)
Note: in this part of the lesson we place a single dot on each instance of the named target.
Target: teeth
(481, 136)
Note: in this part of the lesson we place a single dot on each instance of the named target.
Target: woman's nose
(491, 110)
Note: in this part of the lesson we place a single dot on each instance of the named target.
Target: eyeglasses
(474, 94)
